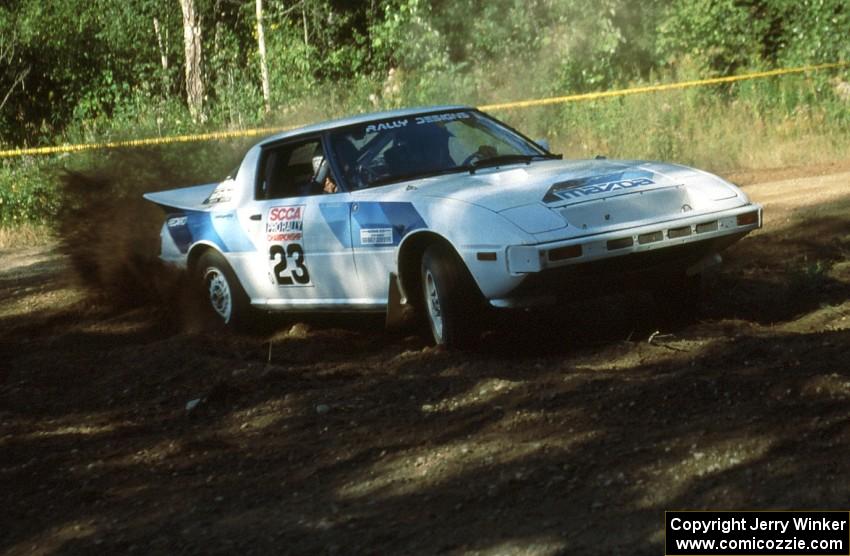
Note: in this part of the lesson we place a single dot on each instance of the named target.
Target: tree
(16, 77)
(261, 45)
(194, 59)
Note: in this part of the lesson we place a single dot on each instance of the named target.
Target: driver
(322, 175)
(329, 186)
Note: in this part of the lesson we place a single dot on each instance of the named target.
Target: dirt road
(567, 434)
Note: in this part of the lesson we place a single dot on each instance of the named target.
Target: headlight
(535, 218)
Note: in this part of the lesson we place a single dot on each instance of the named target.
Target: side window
(290, 170)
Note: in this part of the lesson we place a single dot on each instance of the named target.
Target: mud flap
(397, 312)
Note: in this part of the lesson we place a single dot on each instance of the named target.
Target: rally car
(445, 210)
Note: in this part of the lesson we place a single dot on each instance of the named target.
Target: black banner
(757, 533)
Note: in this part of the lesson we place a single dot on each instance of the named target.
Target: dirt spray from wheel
(111, 234)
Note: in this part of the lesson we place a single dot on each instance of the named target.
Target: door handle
(256, 217)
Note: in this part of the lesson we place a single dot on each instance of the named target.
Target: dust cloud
(110, 234)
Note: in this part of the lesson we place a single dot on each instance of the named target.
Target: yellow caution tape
(218, 135)
(654, 88)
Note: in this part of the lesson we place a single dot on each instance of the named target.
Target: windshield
(412, 147)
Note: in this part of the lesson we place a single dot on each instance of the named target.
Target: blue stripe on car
(227, 227)
(224, 231)
(180, 233)
(336, 216)
(221, 229)
(401, 218)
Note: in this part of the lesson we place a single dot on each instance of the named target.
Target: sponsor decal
(586, 187)
(604, 188)
(418, 120)
(433, 118)
(376, 236)
(285, 234)
(285, 224)
(177, 221)
(384, 126)
(221, 194)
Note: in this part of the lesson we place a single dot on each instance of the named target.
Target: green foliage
(97, 64)
(91, 70)
(724, 35)
(815, 30)
(82, 58)
(27, 192)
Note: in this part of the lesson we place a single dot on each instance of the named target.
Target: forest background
(79, 71)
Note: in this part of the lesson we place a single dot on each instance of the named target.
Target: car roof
(361, 118)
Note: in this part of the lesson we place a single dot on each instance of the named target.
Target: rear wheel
(451, 301)
(222, 291)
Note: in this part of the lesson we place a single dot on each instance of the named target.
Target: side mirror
(543, 144)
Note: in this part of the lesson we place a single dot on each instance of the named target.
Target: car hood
(558, 183)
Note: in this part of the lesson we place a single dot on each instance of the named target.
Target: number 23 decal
(283, 274)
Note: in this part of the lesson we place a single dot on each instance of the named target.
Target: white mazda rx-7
(448, 211)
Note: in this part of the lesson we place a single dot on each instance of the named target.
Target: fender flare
(197, 249)
(408, 257)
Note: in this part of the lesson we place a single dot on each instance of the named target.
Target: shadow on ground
(329, 436)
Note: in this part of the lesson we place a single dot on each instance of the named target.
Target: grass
(755, 126)
(23, 235)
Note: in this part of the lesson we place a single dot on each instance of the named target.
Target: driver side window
(290, 170)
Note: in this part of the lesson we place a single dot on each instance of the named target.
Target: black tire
(223, 295)
(451, 302)
(680, 300)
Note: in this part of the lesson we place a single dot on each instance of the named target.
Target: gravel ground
(123, 428)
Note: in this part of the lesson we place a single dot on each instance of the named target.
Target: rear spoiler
(184, 198)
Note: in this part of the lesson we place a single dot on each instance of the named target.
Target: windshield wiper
(471, 168)
(498, 160)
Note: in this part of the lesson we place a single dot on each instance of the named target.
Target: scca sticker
(285, 224)
(285, 234)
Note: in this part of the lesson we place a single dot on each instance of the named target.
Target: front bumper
(642, 257)
(524, 259)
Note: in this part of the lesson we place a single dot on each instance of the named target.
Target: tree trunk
(261, 45)
(163, 54)
(194, 60)
(7, 55)
(306, 35)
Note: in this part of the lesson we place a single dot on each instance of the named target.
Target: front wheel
(451, 299)
(222, 291)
